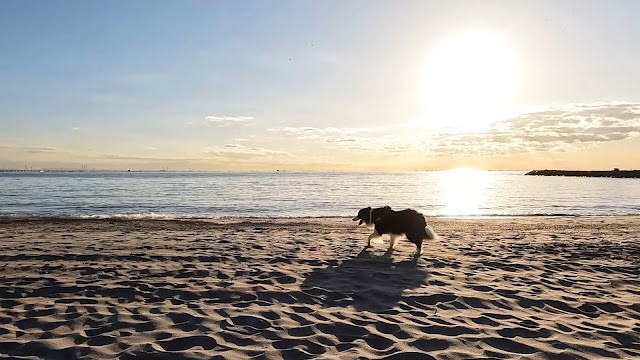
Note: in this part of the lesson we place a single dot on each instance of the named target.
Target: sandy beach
(521, 288)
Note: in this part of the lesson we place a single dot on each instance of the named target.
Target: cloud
(241, 152)
(340, 140)
(142, 158)
(228, 119)
(39, 149)
(29, 149)
(222, 153)
(322, 131)
(553, 128)
(328, 134)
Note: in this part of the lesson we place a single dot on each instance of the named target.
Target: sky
(324, 85)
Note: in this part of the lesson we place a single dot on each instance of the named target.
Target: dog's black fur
(407, 222)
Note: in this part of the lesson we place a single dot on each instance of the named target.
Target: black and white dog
(406, 222)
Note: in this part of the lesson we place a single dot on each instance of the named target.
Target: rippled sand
(541, 288)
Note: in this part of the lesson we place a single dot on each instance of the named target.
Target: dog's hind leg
(418, 241)
(393, 238)
(393, 241)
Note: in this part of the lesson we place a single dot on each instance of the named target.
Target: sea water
(310, 194)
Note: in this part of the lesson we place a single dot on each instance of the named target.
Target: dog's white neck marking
(370, 215)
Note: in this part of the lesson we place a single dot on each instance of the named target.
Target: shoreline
(441, 225)
(30, 217)
(343, 223)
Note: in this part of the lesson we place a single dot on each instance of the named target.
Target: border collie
(406, 222)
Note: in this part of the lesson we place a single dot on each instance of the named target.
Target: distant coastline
(615, 173)
(82, 171)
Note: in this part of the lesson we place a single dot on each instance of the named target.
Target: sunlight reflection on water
(463, 191)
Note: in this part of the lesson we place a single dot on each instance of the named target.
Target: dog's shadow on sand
(367, 282)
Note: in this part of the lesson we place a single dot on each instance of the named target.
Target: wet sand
(528, 287)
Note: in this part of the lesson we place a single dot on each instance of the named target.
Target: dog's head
(369, 215)
(363, 215)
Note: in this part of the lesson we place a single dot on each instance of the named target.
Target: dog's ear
(387, 207)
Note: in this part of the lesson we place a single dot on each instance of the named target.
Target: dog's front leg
(374, 235)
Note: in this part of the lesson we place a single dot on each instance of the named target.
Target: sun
(470, 81)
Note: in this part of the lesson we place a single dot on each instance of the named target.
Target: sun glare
(463, 191)
(470, 81)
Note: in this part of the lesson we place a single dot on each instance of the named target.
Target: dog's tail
(430, 233)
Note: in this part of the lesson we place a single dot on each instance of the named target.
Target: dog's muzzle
(357, 218)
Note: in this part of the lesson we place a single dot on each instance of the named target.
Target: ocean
(168, 195)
